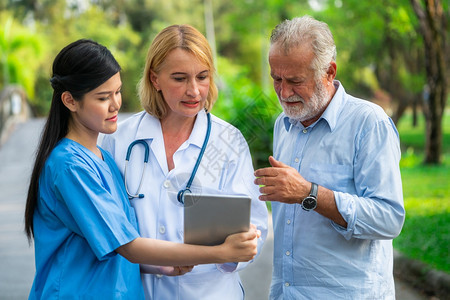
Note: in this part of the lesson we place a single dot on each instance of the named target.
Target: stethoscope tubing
(127, 159)
(180, 195)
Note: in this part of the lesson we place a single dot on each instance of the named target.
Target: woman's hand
(166, 270)
(240, 247)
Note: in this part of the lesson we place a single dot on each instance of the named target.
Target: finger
(254, 227)
(260, 172)
(270, 172)
(167, 270)
(186, 269)
(250, 234)
(272, 179)
(260, 180)
(269, 189)
(276, 163)
(268, 197)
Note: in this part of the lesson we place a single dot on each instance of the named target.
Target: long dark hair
(79, 68)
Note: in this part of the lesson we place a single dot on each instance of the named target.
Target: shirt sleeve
(93, 212)
(376, 211)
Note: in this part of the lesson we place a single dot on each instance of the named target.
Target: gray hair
(293, 33)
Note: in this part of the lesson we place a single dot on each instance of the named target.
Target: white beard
(307, 110)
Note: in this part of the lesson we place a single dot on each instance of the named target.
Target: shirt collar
(331, 113)
(148, 121)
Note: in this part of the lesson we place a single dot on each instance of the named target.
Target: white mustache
(294, 98)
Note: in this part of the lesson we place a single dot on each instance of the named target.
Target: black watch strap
(314, 190)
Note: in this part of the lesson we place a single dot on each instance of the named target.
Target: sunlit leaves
(20, 51)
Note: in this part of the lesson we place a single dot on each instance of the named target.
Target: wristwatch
(310, 202)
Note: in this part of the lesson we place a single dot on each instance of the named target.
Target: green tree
(20, 51)
(433, 27)
(93, 23)
(379, 51)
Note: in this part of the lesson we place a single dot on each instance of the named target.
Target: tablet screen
(209, 219)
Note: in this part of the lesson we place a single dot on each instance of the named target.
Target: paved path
(17, 258)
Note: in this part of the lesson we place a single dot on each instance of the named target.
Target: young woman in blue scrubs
(176, 88)
(87, 244)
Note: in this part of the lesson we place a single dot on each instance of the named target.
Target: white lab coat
(226, 168)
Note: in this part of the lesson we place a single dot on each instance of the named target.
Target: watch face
(309, 203)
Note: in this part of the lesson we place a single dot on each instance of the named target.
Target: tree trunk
(433, 29)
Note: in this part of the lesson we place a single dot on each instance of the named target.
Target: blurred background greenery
(426, 191)
(382, 57)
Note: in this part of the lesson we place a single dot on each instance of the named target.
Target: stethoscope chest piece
(180, 195)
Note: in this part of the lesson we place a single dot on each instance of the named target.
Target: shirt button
(166, 184)
(162, 229)
(159, 275)
(305, 130)
(287, 284)
(288, 222)
(288, 253)
(297, 160)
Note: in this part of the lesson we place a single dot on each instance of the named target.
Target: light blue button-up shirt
(353, 150)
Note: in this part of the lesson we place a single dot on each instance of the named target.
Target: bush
(244, 104)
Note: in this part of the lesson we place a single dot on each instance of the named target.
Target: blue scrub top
(82, 216)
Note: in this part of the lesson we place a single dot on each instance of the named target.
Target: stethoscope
(180, 195)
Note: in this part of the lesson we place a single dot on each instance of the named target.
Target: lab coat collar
(148, 121)
(199, 131)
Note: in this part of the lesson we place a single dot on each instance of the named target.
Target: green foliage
(94, 24)
(380, 36)
(425, 235)
(242, 31)
(412, 138)
(247, 107)
(122, 42)
(20, 51)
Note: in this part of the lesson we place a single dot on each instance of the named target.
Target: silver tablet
(209, 219)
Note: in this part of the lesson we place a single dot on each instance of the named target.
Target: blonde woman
(177, 91)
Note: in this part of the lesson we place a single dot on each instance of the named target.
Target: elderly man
(335, 182)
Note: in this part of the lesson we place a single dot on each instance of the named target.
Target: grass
(425, 235)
